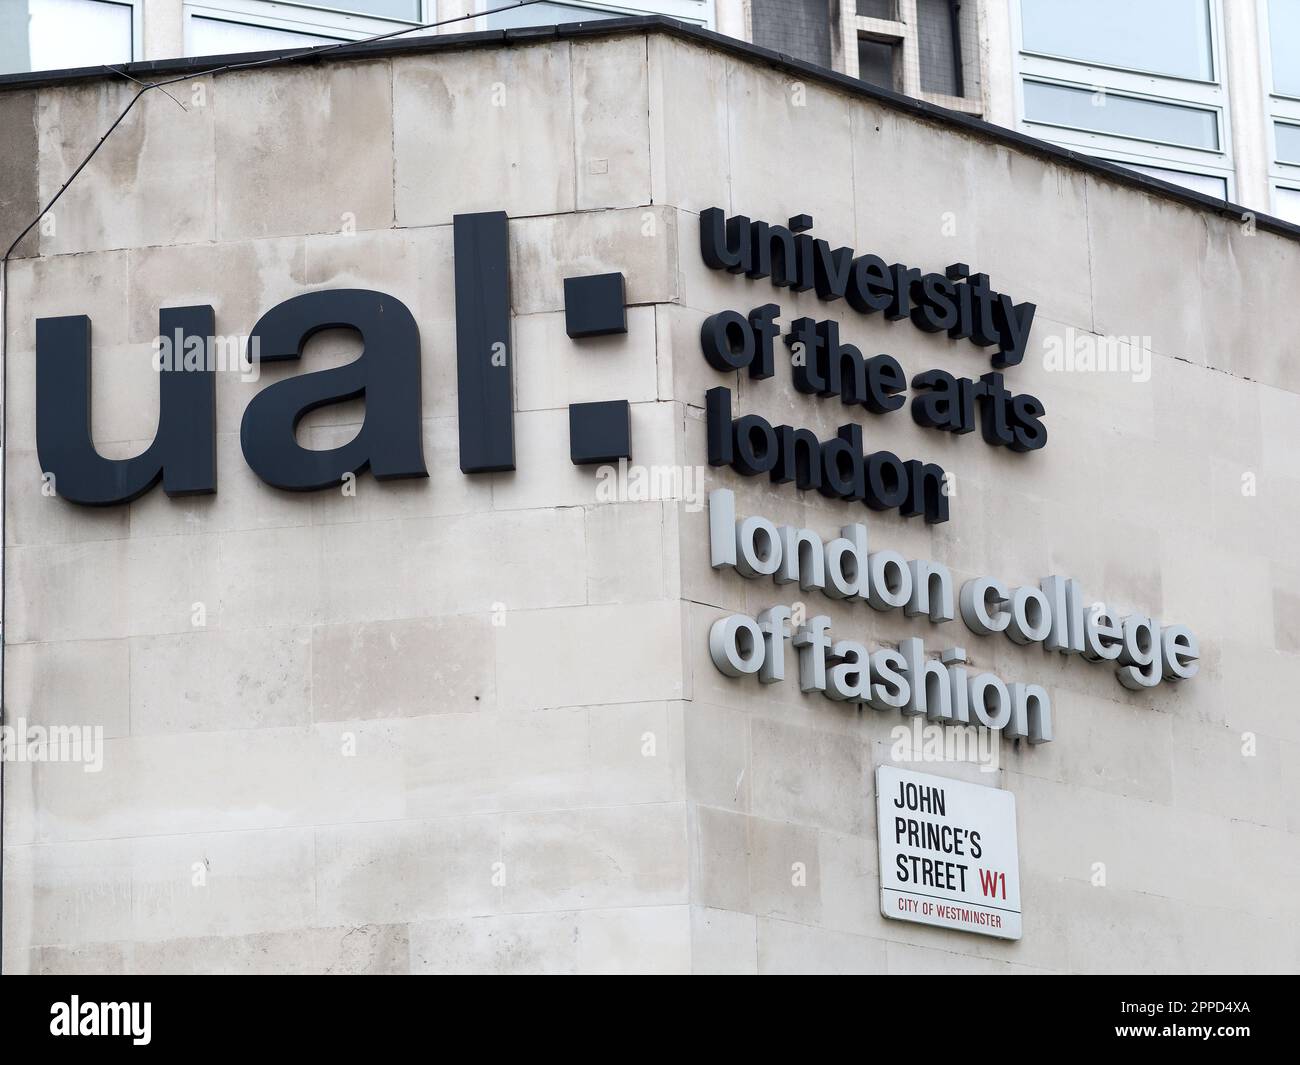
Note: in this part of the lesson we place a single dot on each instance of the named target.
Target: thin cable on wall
(291, 57)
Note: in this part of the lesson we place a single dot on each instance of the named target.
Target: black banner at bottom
(963, 1012)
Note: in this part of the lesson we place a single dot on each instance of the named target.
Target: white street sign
(948, 853)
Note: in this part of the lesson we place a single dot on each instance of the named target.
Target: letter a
(386, 375)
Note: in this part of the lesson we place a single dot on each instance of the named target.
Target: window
(1171, 37)
(407, 10)
(1284, 41)
(876, 62)
(546, 14)
(1126, 116)
(938, 40)
(53, 34)
(1134, 81)
(210, 36)
(1280, 48)
(886, 9)
(1287, 137)
(918, 48)
(220, 27)
(1286, 204)
(1208, 184)
(555, 12)
(700, 12)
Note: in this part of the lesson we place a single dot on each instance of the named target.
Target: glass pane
(1203, 183)
(876, 62)
(1124, 116)
(53, 34)
(1161, 36)
(408, 10)
(886, 9)
(1284, 33)
(546, 15)
(935, 47)
(210, 36)
(1286, 204)
(1288, 142)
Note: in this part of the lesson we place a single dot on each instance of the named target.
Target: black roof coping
(156, 69)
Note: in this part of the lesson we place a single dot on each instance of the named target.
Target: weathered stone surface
(469, 722)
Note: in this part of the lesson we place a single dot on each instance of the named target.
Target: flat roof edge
(145, 70)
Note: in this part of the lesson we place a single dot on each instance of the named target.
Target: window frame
(700, 12)
(1291, 165)
(895, 45)
(1280, 107)
(137, 32)
(1266, 60)
(137, 27)
(293, 17)
(1209, 172)
(1216, 52)
(1276, 184)
(903, 32)
(1101, 136)
(1168, 89)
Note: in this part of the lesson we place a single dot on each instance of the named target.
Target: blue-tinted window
(1288, 142)
(1123, 116)
(1160, 36)
(1284, 37)
(546, 14)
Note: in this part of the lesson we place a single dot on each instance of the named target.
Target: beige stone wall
(1138, 494)
(549, 773)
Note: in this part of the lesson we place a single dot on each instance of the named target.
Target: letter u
(725, 242)
(183, 454)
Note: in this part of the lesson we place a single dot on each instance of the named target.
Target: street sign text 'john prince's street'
(948, 853)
